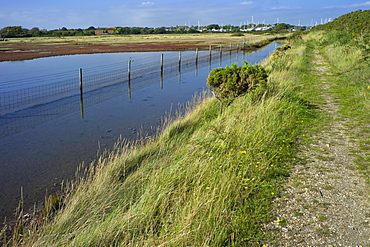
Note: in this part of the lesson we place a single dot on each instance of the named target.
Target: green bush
(232, 81)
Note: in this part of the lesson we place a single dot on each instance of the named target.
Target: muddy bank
(14, 52)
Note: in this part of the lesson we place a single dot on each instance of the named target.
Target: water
(42, 144)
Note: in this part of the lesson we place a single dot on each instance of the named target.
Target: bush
(233, 81)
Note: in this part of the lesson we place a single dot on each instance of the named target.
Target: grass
(207, 179)
(198, 39)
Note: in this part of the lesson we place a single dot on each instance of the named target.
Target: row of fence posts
(161, 73)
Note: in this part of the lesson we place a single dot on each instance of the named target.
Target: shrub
(283, 48)
(232, 81)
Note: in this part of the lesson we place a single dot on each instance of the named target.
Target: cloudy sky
(54, 14)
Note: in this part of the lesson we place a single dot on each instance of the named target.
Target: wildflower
(279, 220)
(368, 87)
(243, 152)
(272, 193)
(208, 188)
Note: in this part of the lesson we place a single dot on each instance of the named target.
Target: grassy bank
(207, 179)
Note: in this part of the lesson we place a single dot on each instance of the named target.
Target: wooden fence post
(80, 80)
(129, 79)
(81, 96)
(161, 80)
(179, 69)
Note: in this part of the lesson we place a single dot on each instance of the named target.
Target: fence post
(129, 78)
(81, 97)
(196, 61)
(80, 80)
(129, 69)
(179, 70)
(220, 55)
(210, 57)
(161, 81)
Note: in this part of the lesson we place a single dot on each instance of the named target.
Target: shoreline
(32, 48)
(20, 52)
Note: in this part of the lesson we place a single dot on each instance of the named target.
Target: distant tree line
(19, 31)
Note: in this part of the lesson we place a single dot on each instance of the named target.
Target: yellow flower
(208, 188)
(368, 87)
(243, 152)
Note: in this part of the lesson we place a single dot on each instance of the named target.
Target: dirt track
(19, 51)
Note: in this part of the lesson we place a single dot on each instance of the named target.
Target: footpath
(325, 201)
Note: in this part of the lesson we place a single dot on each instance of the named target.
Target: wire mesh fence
(30, 92)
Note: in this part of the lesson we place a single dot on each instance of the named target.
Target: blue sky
(53, 14)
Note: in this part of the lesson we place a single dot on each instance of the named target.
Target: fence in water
(28, 103)
(27, 93)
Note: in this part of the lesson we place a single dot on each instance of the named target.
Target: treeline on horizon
(19, 31)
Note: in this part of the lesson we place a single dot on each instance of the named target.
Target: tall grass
(206, 180)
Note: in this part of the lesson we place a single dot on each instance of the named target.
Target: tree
(160, 30)
(213, 26)
(283, 26)
(12, 31)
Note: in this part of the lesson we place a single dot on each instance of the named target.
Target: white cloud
(246, 3)
(147, 3)
(281, 7)
(355, 5)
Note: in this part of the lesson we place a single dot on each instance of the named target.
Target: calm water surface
(42, 145)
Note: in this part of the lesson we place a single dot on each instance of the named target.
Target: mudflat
(31, 48)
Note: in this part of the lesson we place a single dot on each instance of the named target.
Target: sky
(55, 14)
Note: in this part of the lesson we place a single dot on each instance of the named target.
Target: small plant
(283, 48)
(321, 218)
(280, 51)
(233, 81)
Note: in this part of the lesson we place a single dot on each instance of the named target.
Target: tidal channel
(60, 111)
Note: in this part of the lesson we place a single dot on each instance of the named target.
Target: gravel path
(325, 202)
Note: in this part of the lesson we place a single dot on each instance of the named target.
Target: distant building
(107, 31)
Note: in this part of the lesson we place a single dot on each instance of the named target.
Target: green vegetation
(345, 45)
(233, 81)
(209, 177)
(19, 31)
